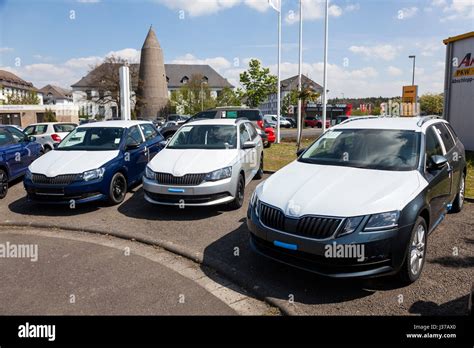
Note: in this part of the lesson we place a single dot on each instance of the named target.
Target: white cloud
(407, 12)
(394, 71)
(259, 5)
(218, 63)
(132, 55)
(83, 62)
(5, 49)
(429, 48)
(352, 7)
(313, 10)
(458, 10)
(385, 52)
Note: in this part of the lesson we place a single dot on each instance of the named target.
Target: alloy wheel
(462, 191)
(118, 188)
(3, 184)
(417, 250)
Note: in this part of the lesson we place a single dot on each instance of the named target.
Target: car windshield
(92, 139)
(366, 148)
(205, 137)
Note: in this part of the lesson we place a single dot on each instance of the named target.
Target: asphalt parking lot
(218, 238)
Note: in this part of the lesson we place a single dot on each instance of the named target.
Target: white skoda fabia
(207, 162)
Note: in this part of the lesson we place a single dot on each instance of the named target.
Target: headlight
(219, 174)
(150, 174)
(253, 198)
(93, 174)
(382, 221)
(28, 174)
(351, 225)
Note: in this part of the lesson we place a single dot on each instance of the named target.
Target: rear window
(251, 115)
(64, 128)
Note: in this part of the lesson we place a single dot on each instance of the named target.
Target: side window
(445, 135)
(18, 136)
(244, 134)
(5, 138)
(148, 131)
(251, 129)
(30, 130)
(134, 136)
(433, 145)
(451, 129)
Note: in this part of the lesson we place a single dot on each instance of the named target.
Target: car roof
(49, 123)
(218, 121)
(114, 124)
(398, 123)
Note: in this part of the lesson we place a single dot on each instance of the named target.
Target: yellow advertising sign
(464, 72)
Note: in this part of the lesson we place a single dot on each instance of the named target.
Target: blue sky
(370, 40)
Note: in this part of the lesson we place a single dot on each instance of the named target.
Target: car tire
(3, 184)
(458, 203)
(259, 174)
(117, 189)
(239, 194)
(416, 253)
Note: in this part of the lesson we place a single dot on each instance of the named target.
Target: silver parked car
(207, 162)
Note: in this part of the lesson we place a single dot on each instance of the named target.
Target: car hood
(192, 161)
(56, 163)
(309, 189)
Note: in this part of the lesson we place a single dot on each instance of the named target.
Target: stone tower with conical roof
(152, 94)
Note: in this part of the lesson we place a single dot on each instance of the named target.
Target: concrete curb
(234, 275)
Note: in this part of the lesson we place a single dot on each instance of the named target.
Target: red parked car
(319, 123)
(310, 121)
(270, 133)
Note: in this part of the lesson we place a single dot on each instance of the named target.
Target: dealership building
(459, 86)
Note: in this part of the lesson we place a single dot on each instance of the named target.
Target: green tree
(30, 98)
(49, 116)
(306, 95)
(289, 100)
(229, 97)
(193, 97)
(432, 104)
(258, 83)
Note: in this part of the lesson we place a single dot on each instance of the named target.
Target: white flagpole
(298, 121)
(279, 77)
(326, 31)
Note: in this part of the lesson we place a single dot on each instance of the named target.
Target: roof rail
(424, 119)
(356, 118)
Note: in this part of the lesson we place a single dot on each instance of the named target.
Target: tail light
(260, 124)
(56, 138)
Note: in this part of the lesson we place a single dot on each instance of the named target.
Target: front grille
(58, 180)
(315, 227)
(272, 217)
(187, 180)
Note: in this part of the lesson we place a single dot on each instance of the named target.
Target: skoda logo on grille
(293, 208)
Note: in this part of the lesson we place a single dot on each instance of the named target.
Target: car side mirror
(437, 162)
(165, 142)
(132, 146)
(300, 152)
(249, 145)
(55, 145)
(30, 138)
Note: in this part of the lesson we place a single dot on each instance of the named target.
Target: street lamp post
(414, 63)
